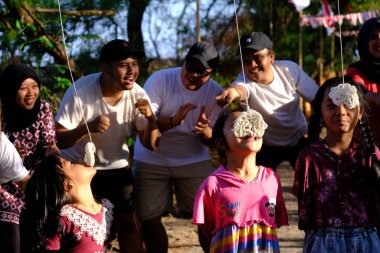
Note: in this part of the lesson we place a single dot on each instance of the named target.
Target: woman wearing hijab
(29, 125)
(367, 70)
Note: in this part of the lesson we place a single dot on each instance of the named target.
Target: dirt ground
(183, 236)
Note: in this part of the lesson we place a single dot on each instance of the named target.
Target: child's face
(248, 144)
(338, 118)
(80, 174)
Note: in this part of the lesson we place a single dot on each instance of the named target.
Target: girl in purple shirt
(61, 214)
(336, 179)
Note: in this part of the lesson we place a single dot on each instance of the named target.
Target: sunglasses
(196, 71)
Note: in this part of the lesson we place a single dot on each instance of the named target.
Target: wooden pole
(321, 78)
(332, 64)
(198, 21)
(300, 41)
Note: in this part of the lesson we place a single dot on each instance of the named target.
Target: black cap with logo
(256, 41)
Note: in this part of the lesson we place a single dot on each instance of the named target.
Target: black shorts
(116, 186)
(272, 156)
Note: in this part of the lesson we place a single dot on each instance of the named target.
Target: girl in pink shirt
(61, 213)
(240, 205)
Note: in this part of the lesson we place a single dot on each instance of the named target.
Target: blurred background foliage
(31, 33)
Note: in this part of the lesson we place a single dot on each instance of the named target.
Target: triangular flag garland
(353, 18)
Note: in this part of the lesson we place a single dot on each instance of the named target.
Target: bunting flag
(347, 33)
(352, 18)
(329, 23)
(300, 4)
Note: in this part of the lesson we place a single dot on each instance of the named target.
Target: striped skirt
(257, 238)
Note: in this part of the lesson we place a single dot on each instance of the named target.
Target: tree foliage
(31, 33)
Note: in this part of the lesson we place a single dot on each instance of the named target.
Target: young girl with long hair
(61, 213)
(239, 206)
(337, 177)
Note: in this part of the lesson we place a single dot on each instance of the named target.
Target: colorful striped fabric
(257, 238)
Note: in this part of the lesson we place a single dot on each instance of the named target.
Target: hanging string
(238, 34)
(340, 20)
(245, 102)
(68, 64)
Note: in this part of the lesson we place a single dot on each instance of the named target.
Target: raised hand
(203, 123)
(181, 113)
(99, 125)
(227, 96)
(144, 107)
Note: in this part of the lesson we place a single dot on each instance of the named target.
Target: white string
(245, 102)
(71, 74)
(238, 34)
(340, 39)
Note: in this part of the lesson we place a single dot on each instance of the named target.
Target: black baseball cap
(206, 53)
(256, 41)
(117, 50)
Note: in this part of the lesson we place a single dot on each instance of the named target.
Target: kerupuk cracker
(346, 94)
(89, 157)
(249, 123)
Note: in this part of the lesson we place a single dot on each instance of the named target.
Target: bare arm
(67, 138)
(203, 128)
(166, 123)
(231, 94)
(22, 183)
(205, 238)
(150, 136)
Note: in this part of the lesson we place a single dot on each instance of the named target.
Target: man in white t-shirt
(183, 100)
(273, 88)
(114, 106)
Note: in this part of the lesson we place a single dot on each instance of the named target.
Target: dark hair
(218, 139)
(44, 198)
(316, 121)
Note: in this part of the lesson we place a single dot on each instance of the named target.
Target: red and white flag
(329, 17)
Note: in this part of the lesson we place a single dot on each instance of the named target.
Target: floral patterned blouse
(330, 189)
(33, 139)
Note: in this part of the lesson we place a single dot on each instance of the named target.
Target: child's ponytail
(370, 159)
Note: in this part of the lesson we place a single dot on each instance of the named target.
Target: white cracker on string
(249, 123)
(89, 157)
(346, 94)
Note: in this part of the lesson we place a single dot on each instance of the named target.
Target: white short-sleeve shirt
(11, 167)
(279, 102)
(111, 149)
(180, 145)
